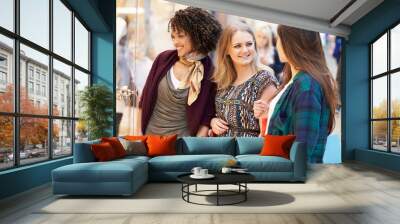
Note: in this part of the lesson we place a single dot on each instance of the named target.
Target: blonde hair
(266, 30)
(225, 73)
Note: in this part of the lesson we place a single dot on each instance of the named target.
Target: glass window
(30, 87)
(62, 29)
(6, 142)
(40, 62)
(379, 56)
(382, 138)
(379, 135)
(62, 138)
(81, 45)
(81, 81)
(6, 74)
(379, 97)
(62, 72)
(395, 95)
(33, 139)
(7, 14)
(81, 131)
(395, 47)
(35, 21)
(395, 136)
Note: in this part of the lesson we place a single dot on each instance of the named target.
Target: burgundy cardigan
(199, 113)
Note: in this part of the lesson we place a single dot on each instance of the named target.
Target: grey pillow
(136, 148)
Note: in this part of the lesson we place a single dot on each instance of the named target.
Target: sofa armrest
(298, 155)
(83, 152)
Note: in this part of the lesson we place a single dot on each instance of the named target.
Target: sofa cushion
(277, 145)
(257, 163)
(116, 145)
(112, 171)
(83, 152)
(185, 163)
(103, 152)
(206, 145)
(249, 145)
(134, 147)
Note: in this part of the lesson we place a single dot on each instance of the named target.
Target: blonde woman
(243, 87)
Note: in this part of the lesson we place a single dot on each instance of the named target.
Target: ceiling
(330, 16)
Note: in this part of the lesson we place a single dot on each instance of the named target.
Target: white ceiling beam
(268, 15)
(348, 12)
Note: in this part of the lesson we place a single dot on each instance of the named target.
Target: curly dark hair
(202, 27)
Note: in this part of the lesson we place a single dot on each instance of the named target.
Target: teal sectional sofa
(125, 176)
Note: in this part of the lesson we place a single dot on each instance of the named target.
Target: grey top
(169, 115)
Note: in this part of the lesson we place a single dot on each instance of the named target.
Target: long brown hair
(225, 73)
(303, 50)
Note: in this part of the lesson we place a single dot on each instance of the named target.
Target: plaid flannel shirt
(303, 111)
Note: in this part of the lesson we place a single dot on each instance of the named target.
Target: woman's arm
(203, 131)
(260, 106)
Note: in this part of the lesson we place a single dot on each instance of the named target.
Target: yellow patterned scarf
(194, 77)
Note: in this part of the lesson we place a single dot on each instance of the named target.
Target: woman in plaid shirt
(306, 102)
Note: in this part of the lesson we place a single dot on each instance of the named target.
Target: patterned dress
(235, 104)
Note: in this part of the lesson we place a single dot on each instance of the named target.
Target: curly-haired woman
(178, 97)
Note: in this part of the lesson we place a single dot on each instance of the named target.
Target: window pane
(6, 142)
(379, 135)
(81, 131)
(379, 97)
(33, 140)
(34, 81)
(81, 45)
(379, 55)
(81, 81)
(7, 14)
(35, 21)
(62, 89)
(62, 29)
(395, 94)
(395, 138)
(395, 47)
(62, 138)
(6, 74)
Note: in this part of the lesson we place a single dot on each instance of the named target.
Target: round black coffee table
(238, 179)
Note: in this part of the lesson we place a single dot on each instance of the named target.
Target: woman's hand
(260, 108)
(219, 126)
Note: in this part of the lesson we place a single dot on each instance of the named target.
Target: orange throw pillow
(161, 145)
(103, 152)
(116, 145)
(135, 138)
(275, 145)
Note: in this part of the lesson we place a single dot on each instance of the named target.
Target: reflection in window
(379, 97)
(379, 135)
(81, 131)
(395, 47)
(81, 45)
(6, 74)
(81, 81)
(395, 138)
(6, 142)
(395, 95)
(34, 21)
(33, 140)
(38, 61)
(61, 75)
(62, 29)
(7, 14)
(62, 138)
(379, 56)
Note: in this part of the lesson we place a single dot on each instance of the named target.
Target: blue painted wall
(99, 16)
(356, 83)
